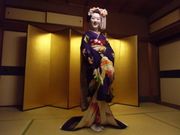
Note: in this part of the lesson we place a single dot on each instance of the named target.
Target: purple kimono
(97, 73)
(93, 59)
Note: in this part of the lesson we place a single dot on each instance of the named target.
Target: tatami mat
(39, 113)
(171, 118)
(148, 119)
(144, 108)
(137, 125)
(11, 127)
(141, 124)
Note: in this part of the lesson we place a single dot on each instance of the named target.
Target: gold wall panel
(37, 68)
(74, 69)
(59, 69)
(126, 71)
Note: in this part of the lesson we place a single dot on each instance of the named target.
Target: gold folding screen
(52, 75)
(126, 70)
(59, 69)
(52, 69)
(74, 68)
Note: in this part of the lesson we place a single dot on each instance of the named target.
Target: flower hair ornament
(102, 12)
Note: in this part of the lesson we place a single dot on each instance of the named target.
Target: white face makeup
(95, 21)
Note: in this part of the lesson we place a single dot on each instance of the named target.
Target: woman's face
(95, 21)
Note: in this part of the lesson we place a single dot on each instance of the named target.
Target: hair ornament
(103, 12)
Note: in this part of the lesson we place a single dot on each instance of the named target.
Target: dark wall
(1, 26)
(127, 24)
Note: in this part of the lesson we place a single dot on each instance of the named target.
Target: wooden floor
(148, 119)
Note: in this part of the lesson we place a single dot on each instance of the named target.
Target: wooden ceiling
(139, 7)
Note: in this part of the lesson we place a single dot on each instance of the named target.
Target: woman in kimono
(97, 59)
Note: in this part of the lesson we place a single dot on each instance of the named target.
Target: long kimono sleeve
(86, 50)
(86, 62)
